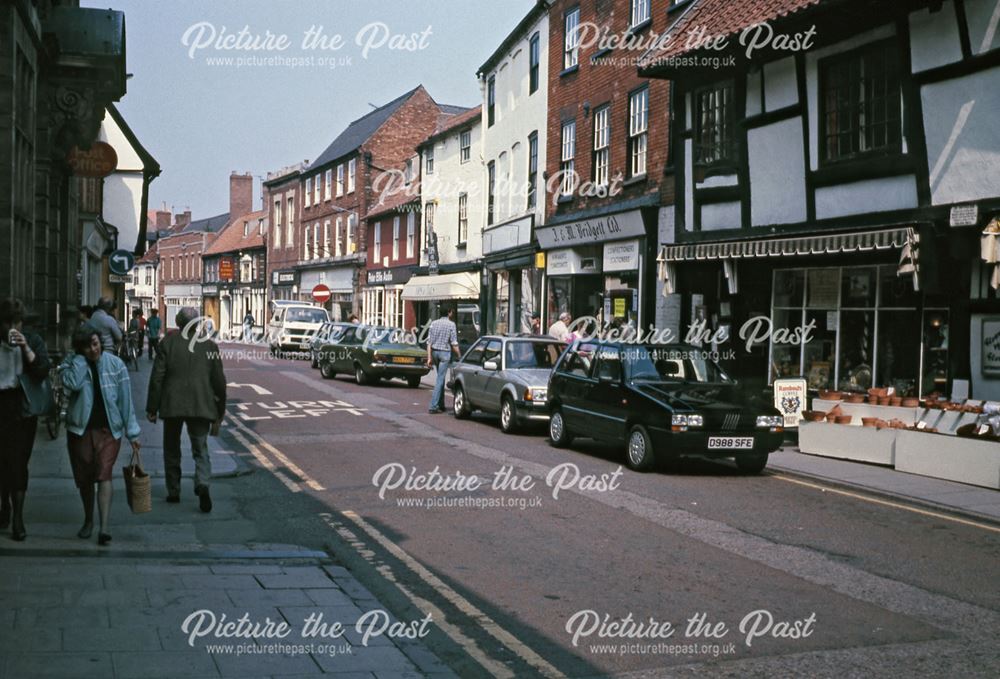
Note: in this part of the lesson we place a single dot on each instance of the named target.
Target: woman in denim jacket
(99, 414)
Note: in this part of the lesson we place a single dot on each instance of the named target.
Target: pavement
(69, 608)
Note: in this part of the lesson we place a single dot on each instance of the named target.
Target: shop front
(284, 284)
(210, 303)
(514, 281)
(178, 296)
(432, 294)
(340, 280)
(382, 302)
(597, 268)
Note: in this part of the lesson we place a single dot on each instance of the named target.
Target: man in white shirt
(560, 329)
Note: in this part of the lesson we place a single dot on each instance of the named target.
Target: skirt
(93, 455)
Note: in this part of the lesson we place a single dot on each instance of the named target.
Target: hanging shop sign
(227, 269)
(99, 160)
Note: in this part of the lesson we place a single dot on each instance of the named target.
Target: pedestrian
(352, 318)
(105, 324)
(23, 358)
(560, 329)
(84, 314)
(99, 413)
(137, 329)
(153, 327)
(442, 343)
(248, 327)
(536, 323)
(187, 388)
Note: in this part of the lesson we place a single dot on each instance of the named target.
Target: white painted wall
(689, 182)
(777, 173)
(872, 196)
(518, 114)
(982, 387)
(780, 87)
(934, 38)
(123, 188)
(983, 17)
(719, 216)
(963, 137)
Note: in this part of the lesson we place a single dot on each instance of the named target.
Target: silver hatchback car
(508, 376)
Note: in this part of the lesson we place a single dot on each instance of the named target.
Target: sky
(202, 117)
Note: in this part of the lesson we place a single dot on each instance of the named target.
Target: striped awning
(825, 244)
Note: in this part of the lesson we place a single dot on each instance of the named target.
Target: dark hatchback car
(373, 353)
(660, 401)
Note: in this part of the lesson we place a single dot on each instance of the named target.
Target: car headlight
(538, 394)
(770, 421)
(681, 422)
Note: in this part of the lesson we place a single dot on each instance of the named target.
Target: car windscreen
(300, 315)
(672, 364)
(525, 354)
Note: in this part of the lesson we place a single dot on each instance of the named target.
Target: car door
(489, 381)
(608, 401)
(577, 395)
(471, 368)
(343, 361)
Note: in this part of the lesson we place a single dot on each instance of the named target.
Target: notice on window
(823, 288)
(619, 307)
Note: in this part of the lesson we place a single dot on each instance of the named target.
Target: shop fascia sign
(394, 276)
(590, 231)
(623, 256)
(569, 261)
(507, 236)
(283, 278)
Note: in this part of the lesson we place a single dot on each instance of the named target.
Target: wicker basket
(138, 486)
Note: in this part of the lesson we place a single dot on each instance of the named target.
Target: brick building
(282, 198)
(235, 280)
(607, 203)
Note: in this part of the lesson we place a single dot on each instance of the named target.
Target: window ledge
(639, 27)
(677, 6)
(631, 181)
(602, 53)
(568, 71)
(562, 200)
(462, 245)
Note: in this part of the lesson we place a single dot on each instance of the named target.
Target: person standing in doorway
(442, 343)
(153, 327)
(187, 389)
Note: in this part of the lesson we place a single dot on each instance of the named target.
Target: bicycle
(54, 420)
(129, 350)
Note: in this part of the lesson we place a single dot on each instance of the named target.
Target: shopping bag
(138, 488)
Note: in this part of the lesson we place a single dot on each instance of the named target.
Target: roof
(150, 256)
(452, 109)
(231, 238)
(397, 198)
(717, 18)
(210, 224)
(534, 14)
(359, 131)
(451, 123)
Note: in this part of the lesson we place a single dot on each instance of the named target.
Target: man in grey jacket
(187, 388)
(107, 326)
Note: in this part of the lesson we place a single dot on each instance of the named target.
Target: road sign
(321, 293)
(115, 278)
(121, 262)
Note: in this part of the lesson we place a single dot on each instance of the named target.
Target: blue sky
(202, 121)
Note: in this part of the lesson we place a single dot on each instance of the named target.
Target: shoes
(103, 539)
(86, 531)
(204, 499)
(4, 516)
(435, 411)
(173, 499)
(18, 535)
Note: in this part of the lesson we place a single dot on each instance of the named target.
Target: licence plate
(403, 359)
(730, 442)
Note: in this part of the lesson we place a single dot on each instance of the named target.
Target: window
(246, 229)
(429, 159)
(352, 173)
(340, 180)
(289, 220)
(602, 134)
(571, 39)
(640, 12)
(326, 238)
(352, 223)
(377, 249)
(714, 128)
(428, 223)
(860, 102)
(491, 97)
(463, 218)
(277, 224)
(309, 189)
(411, 233)
(532, 170)
(395, 237)
(316, 189)
(465, 146)
(408, 171)
(475, 355)
(149, 275)
(491, 189)
(260, 227)
(567, 164)
(534, 56)
(329, 184)
(340, 237)
(638, 135)
(316, 252)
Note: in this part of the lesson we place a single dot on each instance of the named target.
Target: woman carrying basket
(100, 411)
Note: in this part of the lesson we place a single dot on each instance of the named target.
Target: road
(720, 573)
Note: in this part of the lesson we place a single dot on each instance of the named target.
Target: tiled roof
(398, 197)
(231, 238)
(150, 256)
(716, 18)
(448, 123)
(451, 109)
(210, 224)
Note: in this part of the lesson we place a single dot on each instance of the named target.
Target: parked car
(328, 332)
(374, 353)
(505, 375)
(659, 401)
(292, 326)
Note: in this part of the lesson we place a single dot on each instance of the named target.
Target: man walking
(153, 327)
(442, 342)
(137, 326)
(187, 388)
(247, 327)
(107, 326)
(560, 329)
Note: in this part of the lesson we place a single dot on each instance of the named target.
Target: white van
(293, 325)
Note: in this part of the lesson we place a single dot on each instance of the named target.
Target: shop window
(786, 358)
(789, 287)
(935, 340)
(820, 352)
(501, 304)
(858, 287)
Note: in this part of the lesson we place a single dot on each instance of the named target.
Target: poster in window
(991, 347)
(824, 288)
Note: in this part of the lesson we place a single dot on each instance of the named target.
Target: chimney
(163, 219)
(182, 220)
(240, 194)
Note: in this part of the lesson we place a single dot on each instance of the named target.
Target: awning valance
(821, 244)
(462, 285)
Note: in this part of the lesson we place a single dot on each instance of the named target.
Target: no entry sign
(321, 293)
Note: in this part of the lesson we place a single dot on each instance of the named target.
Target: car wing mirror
(491, 365)
(608, 379)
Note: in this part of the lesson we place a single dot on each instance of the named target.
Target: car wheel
(413, 382)
(640, 453)
(360, 376)
(508, 416)
(460, 405)
(327, 371)
(752, 464)
(559, 435)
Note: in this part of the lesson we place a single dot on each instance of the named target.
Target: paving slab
(165, 664)
(96, 665)
(136, 639)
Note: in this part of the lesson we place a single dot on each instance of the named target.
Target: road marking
(888, 503)
(266, 463)
(281, 457)
(485, 623)
(261, 391)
